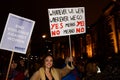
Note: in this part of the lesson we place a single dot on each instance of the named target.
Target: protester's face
(21, 62)
(13, 65)
(48, 62)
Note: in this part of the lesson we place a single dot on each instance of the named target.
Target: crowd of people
(70, 68)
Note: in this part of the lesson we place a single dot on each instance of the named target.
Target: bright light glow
(98, 71)
(43, 36)
(89, 46)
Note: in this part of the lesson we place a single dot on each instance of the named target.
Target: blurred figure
(75, 74)
(91, 69)
(48, 72)
(22, 69)
(13, 72)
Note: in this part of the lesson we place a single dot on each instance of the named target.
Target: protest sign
(17, 34)
(67, 21)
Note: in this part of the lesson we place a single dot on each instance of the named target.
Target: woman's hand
(69, 62)
(69, 59)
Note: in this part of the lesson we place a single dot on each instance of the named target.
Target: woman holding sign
(48, 72)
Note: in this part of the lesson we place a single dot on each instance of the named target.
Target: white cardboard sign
(67, 21)
(17, 34)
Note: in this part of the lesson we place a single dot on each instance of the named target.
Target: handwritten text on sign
(67, 21)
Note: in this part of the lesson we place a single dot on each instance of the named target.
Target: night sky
(37, 10)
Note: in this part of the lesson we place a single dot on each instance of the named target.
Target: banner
(67, 21)
(17, 34)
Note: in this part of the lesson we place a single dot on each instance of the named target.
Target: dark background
(37, 10)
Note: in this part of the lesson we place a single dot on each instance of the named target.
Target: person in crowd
(13, 72)
(23, 72)
(74, 74)
(18, 71)
(91, 69)
(48, 72)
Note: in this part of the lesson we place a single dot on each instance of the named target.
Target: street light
(44, 36)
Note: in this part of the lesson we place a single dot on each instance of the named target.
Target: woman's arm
(69, 66)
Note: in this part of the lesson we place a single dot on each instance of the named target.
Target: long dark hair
(44, 57)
